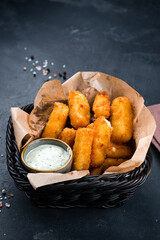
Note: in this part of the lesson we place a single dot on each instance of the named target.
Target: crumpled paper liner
(28, 127)
(43, 179)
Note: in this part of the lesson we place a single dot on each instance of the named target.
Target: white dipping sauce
(47, 157)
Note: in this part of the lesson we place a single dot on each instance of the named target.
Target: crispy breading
(57, 121)
(101, 105)
(79, 109)
(108, 162)
(82, 149)
(118, 151)
(101, 139)
(121, 120)
(68, 136)
(90, 125)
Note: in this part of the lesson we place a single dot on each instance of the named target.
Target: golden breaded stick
(82, 149)
(108, 162)
(121, 120)
(101, 105)
(96, 171)
(102, 134)
(57, 121)
(79, 109)
(118, 151)
(68, 136)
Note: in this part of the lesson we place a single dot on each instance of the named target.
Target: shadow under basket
(90, 191)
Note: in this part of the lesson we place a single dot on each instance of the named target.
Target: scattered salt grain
(38, 68)
(1, 155)
(64, 66)
(7, 205)
(45, 63)
(3, 191)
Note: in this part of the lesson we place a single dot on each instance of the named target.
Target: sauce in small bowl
(47, 155)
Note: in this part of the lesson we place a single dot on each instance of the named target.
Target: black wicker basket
(90, 191)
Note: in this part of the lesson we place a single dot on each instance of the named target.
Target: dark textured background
(121, 38)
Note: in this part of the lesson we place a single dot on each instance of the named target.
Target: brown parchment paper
(89, 83)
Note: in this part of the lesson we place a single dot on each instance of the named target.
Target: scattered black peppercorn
(64, 73)
(32, 57)
(60, 74)
(64, 77)
(48, 70)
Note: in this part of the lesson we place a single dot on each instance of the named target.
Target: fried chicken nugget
(108, 162)
(82, 149)
(57, 121)
(68, 136)
(79, 109)
(121, 120)
(101, 105)
(118, 151)
(102, 134)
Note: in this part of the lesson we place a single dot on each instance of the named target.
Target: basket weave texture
(90, 191)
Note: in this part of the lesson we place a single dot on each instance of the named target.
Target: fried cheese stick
(108, 162)
(101, 105)
(68, 136)
(82, 149)
(102, 134)
(121, 120)
(57, 121)
(118, 151)
(79, 109)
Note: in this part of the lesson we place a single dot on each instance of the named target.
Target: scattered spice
(48, 70)
(49, 77)
(5, 198)
(37, 61)
(3, 191)
(9, 197)
(34, 64)
(32, 57)
(52, 63)
(45, 72)
(38, 68)
(34, 74)
(64, 77)
(54, 75)
(1, 155)
(31, 70)
(64, 73)
(24, 68)
(29, 60)
(45, 63)
(7, 205)
(60, 74)
(64, 66)
(12, 195)
(1, 205)
(26, 58)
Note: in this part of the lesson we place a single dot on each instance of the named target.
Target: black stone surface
(121, 38)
